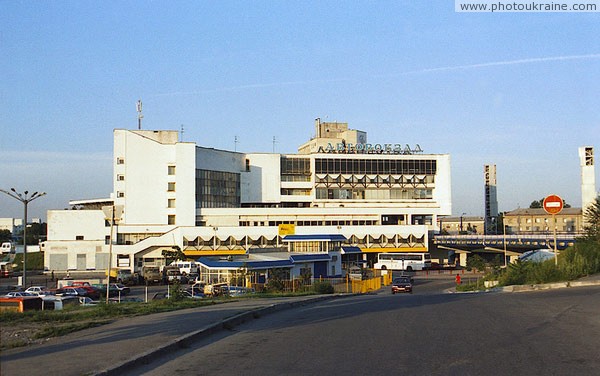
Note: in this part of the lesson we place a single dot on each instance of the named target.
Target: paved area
(108, 349)
(105, 349)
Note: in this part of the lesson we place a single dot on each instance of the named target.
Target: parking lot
(138, 292)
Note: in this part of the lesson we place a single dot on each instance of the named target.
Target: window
(217, 189)
(120, 177)
(120, 194)
(247, 165)
(171, 187)
(79, 237)
(171, 170)
(120, 161)
(171, 219)
(171, 203)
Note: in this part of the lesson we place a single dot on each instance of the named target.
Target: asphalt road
(555, 332)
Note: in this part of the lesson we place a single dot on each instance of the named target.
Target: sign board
(287, 229)
(553, 204)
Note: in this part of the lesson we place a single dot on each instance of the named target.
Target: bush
(322, 287)
(35, 261)
(575, 262)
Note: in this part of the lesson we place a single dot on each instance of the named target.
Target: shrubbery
(323, 287)
(575, 262)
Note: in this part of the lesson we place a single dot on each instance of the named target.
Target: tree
(5, 236)
(592, 221)
(538, 204)
(173, 254)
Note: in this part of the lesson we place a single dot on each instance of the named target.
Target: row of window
(217, 189)
(374, 194)
(375, 166)
(309, 223)
(380, 241)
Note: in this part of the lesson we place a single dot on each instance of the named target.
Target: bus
(20, 303)
(403, 261)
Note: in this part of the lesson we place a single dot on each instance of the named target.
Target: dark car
(72, 291)
(402, 284)
(118, 288)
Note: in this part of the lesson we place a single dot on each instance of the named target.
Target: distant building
(13, 225)
(465, 225)
(536, 221)
(491, 199)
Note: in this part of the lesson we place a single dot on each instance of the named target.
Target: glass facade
(375, 166)
(217, 189)
(295, 169)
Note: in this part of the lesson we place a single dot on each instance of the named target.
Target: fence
(340, 285)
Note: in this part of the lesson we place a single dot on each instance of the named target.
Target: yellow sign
(287, 229)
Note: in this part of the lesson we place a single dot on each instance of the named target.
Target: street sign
(553, 204)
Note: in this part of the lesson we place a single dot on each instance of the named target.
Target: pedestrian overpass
(511, 243)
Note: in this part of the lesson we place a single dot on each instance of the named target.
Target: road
(553, 332)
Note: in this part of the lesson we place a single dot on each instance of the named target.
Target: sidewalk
(107, 349)
(592, 280)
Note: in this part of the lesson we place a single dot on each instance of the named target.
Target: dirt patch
(18, 335)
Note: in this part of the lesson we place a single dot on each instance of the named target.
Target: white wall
(442, 193)
(262, 183)
(65, 225)
(145, 171)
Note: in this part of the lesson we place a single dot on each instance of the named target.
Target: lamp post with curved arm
(25, 198)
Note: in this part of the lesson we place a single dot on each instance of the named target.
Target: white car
(15, 294)
(37, 290)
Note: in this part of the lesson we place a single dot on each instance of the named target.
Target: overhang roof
(315, 237)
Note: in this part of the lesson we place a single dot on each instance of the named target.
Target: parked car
(402, 284)
(116, 288)
(72, 291)
(189, 295)
(92, 292)
(174, 275)
(36, 290)
(16, 294)
(87, 301)
(236, 290)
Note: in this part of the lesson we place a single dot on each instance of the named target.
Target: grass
(578, 261)
(50, 323)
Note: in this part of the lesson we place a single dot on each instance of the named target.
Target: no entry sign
(553, 204)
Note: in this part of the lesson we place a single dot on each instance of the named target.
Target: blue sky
(519, 90)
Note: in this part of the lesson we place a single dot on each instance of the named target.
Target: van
(6, 247)
(186, 267)
(121, 276)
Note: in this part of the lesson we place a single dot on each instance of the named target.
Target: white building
(382, 197)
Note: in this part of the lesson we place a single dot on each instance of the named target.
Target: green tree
(592, 221)
(173, 254)
(538, 204)
(5, 236)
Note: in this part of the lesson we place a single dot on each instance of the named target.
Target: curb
(226, 324)
(525, 288)
(546, 286)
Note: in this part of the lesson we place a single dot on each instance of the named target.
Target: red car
(402, 284)
(92, 291)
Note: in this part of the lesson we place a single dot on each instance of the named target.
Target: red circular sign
(553, 204)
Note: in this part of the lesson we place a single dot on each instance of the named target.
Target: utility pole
(140, 116)
(25, 200)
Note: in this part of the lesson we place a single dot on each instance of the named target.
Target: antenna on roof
(139, 110)
(235, 142)
(182, 131)
(274, 142)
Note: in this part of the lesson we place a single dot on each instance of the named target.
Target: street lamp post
(461, 222)
(25, 198)
(504, 242)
